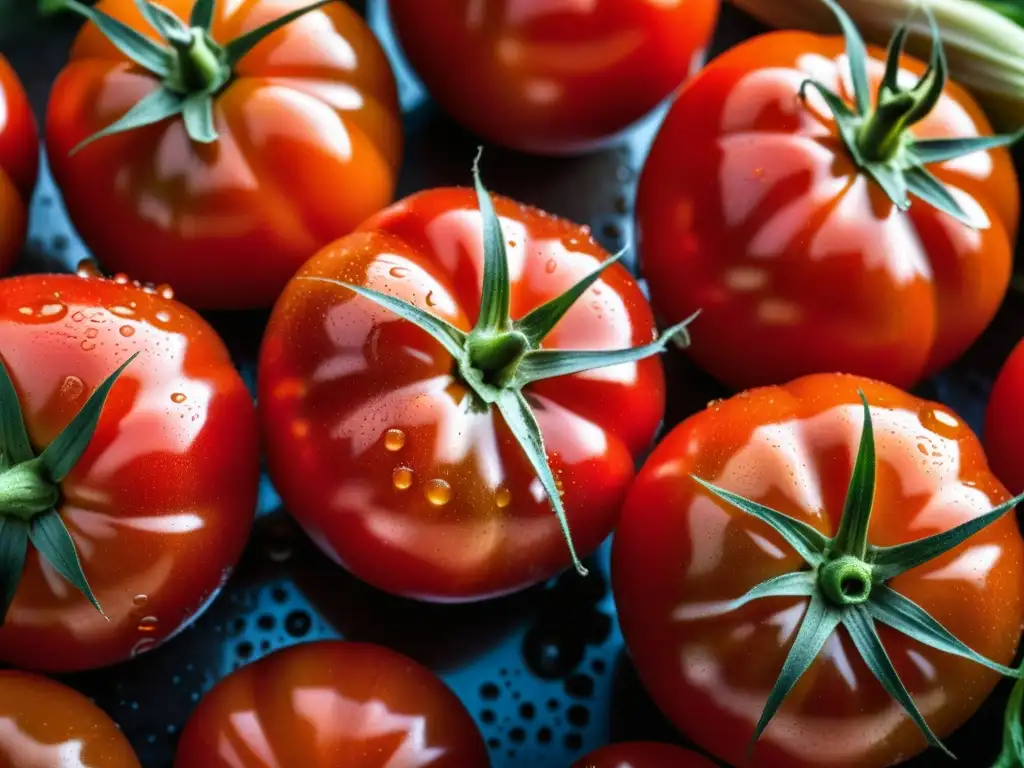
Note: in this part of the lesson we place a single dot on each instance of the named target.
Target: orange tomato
(19, 159)
(1004, 423)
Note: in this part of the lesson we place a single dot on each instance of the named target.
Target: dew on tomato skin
(398, 272)
(431, 301)
(127, 331)
(91, 333)
(72, 388)
(394, 440)
(121, 278)
(87, 268)
(164, 291)
(78, 316)
(148, 625)
(178, 397)
(163, 316)
(551, 266)
(503, 497)
(438, 492)
(402, 478)
(140, 601)
(940, 422)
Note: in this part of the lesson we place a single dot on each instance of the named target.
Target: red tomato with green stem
(332, 705)
(819, 227)
(420, 434)
(19, 160)
(128, 470)
(234, 145)
(1004, 422)
(642, 754)
(553, 77)
(45, 724)
(839, 591)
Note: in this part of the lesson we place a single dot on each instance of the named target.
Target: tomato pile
(459, 396)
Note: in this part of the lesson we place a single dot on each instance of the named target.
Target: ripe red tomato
(380, 449)
(161, 503)
(331, 705)
(44, 724)
(19, 158)
(681, 556)
(1004, 424)
(309, 145)
(758, 214)
(641, 754)
(553, 76)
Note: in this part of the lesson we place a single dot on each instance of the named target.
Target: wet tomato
(331, 705)
(44, 724)
(397, 467)
(768, 213)
(683, 558)
(302, 143)
(19, 158)
(553, 77)
(641, 754)
(160, 503)
(1004, 424)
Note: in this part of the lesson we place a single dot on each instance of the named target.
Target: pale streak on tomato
(19, 160)
(679, 556)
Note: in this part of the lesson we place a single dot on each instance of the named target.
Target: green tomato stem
(25, 491)
(200, 67)
(497, 355)
(845, 580)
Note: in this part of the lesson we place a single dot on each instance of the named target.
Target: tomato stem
(845, 580)
(881, 136)
(199, 65)
(25, 491)
(497, 355)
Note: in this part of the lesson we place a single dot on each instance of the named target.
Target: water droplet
(127, 331)
(72, 388)
(431, 301)
(165, 291)
(163, 316)
(759, 173)
(503, 497)
(438, 492)
(91, 333)
(52, 310)
(88, 268)
(122, 311)
(88, 346)
(121, 278)
(394, 440)
(78, 316)
(398, 272)
(140, 601)
(402, 478)
(178, 397)
(26, 311)
(148, 625)
(511, 243)
(551, 266)
(940, 421)
(145, 644)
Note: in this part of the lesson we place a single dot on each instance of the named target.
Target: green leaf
(540, 364)
(929, 88)
(857, 53)
(819, 622)
(446, 334)
(808, 542)
(893, 183)
(542, 320)
(925, 186)
(165, 23)
(51, 538)
(852, 536)
(13, 547)
(927, 151)
(1012, 755)
(889, 562)
(846, 120)
(796, 584)
(15, 447)
(862, 631)
(67, 448)
(136, 46)
(153, 108)
(497, 290)
(199, 123)
(890, 81)
(523, 425)
(237, 48)
(202, 15)
(904, 615)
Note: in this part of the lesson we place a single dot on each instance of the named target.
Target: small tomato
(1004, 423)
(19, 159)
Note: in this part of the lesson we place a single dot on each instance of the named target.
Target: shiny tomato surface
(383, 454)
(310, 143)
(44, 724)
(162, 501)
(332, 705)
(756, 214)
(553, 75)
(679, 552)
(19, 159)
(642, 754)
(1004, 425)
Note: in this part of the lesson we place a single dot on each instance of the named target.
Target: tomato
(389, 459)
(643, 755)
(681, 556)
(759, 214)
(161, 503)
(309, 145)
(44, 724)
(1004, 424)
(553, 77)
(19, 158)
(331, 705)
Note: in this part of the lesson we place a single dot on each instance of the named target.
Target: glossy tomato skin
(553, 77)
(378, 449)
(19, 160)
(677, 552)
(331, 705)
(1004, 423)
(642, 754)
(757, 215)
(45, 724)
(310, 143)
(161, 503)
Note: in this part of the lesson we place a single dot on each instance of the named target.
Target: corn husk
(985, 49)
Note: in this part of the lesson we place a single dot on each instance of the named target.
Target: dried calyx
(501, 357)
(30, 490)
(845, 578)
(878, 137)
(192, 67)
